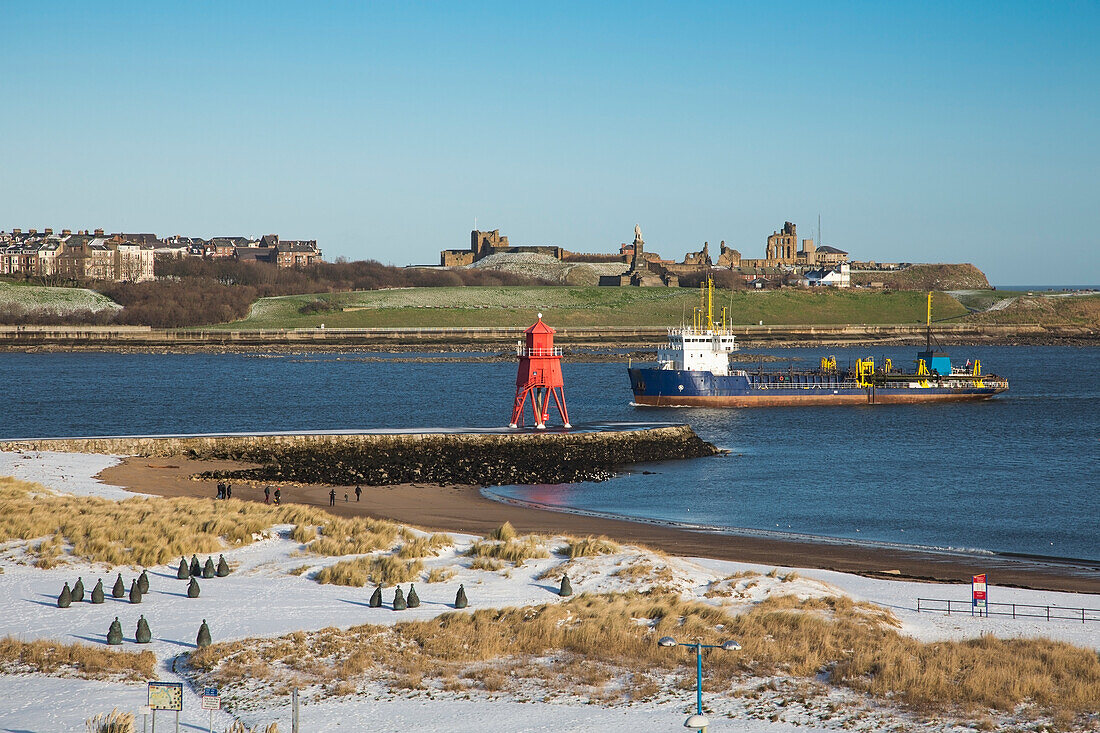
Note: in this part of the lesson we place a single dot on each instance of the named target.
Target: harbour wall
(377, 459)
(143, 337)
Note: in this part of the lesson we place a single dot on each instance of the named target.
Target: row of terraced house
(95, 255)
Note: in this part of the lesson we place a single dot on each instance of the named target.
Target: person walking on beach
(221, 490)
(267, 495)
(332, 497)
(345, 497)
(358, 493)
(278, 493)
(229, 491)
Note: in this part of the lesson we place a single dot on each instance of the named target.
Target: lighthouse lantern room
(539, 376)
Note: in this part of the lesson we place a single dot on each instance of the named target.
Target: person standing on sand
(278, 493)
(345, 497)
(358, 493)
(229, 491)
(332, 497)
(267, 495)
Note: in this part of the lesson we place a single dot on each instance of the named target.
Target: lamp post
(698, 721)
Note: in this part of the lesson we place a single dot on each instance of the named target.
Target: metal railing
(1015, 610)
(535, 351)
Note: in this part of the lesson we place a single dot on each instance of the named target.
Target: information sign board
(166, 695)
(978, 592)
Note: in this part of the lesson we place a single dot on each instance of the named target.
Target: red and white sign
(978, 590)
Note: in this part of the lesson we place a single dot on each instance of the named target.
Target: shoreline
(463, 509)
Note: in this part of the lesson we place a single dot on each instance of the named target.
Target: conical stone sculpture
(196, 569)
(376, 598)
(208, 569)
(460, 598)
(78, 590)
(114, 634)
(66, 598)
(566, 589)
(143, 635)
(97, 592)
(135, 592)
(399, 600)
(223, 567)
(119, 589)
(203, 639)
(413, 600)
(143, 582)
(183, 572)
(193, 589)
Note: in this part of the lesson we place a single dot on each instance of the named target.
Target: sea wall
(380, 459)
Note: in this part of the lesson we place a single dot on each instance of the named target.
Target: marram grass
(149, 531)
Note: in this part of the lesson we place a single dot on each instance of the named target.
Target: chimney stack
(99, 232)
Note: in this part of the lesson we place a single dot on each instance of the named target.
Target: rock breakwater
(378, 459)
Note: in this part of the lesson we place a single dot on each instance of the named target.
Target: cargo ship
(694, 371)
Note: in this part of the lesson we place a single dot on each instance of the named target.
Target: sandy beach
(464, 509)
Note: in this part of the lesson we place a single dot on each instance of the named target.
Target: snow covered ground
(261, 598)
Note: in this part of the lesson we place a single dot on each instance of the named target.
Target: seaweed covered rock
(119, 589)
(143, 582)
(183, 572)
(208, 569)
(566, 589)
(376, 598)
(203, 638)
(135, 592)
(114, 633)
(65, 599)
(97, 592)
(143, 635)
(460, 598)
(195, 569)
(78, 590)
(193, 589)
(413, 600)
(399, 600)
(223, 567)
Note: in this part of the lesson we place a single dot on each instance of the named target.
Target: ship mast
(928, 333)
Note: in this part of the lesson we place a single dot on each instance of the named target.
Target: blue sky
(925, 132)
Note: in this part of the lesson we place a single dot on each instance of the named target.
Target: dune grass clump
(424, 546)
(336, 536)
(150, 531)
(112, 722)
(503, 533)
(593, 643)
(74, 660)
(515, 550)
(440, 575)
(588, 547)
(382, 570)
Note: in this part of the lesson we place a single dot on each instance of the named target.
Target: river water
(1018, 474)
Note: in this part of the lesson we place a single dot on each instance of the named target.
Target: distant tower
(539, 376)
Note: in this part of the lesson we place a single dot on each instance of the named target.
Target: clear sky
(957, 132)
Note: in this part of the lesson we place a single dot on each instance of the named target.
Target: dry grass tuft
(150, 531)
(516, 551)
(486, 563)
(503, 533)
(238, 727)
(424, 546)
(588, 547)
(112, 722)
(440, 575)
(383, 570)
(74, 660)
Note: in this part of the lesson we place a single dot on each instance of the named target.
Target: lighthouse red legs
(540, 375)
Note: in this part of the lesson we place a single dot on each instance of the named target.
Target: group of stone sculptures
(412, 600)
(140, 586)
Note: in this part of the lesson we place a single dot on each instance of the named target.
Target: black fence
(1015, 610)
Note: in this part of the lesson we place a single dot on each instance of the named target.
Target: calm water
(1020, 473)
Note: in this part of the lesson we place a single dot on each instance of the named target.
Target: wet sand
(464, 509)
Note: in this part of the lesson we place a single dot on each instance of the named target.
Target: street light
(698, 721)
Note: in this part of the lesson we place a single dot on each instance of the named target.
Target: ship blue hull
(677, 388)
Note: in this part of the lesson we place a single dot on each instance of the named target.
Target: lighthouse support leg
(560, 401)
(517, 409)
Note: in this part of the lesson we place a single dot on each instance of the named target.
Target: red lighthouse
(540, 376)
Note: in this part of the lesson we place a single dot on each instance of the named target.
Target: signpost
(166, 696)
(211, 702)
(979, 596)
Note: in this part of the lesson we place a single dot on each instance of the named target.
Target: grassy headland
(586, 306)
